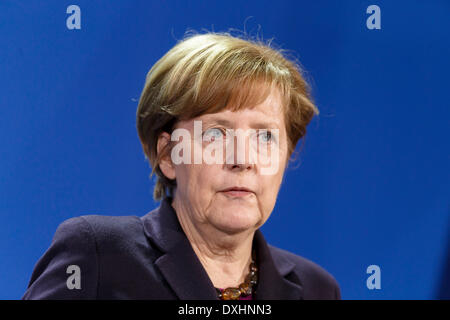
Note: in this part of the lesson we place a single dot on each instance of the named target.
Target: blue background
(373, 182)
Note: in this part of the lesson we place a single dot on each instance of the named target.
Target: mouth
(237, 192)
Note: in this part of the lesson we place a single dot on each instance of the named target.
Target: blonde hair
(206, 73)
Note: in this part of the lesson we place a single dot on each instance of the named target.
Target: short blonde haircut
(206, 73)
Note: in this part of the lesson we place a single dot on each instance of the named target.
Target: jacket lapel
(186, 275)
(276, 279)
(178, 263)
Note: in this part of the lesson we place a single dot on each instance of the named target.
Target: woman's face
(257, 165)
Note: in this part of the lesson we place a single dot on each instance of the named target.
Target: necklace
(244, 289)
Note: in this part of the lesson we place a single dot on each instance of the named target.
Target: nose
(237, 155)
(239, 167)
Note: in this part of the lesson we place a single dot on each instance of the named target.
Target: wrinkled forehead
(254, 94)
(267, 97)
(267, 114)
(261, 107)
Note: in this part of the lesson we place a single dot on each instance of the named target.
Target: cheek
(271, 186)
(198, 178)
(185, 177)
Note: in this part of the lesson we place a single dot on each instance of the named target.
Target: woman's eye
(265, 136)
(213, 134)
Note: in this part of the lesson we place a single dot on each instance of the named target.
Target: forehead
(269, 113)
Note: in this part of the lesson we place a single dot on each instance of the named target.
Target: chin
(236, 221)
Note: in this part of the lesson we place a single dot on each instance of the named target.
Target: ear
(166, 165)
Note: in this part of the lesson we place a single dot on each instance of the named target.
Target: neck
(226, 257)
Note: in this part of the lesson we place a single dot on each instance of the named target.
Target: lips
(237, 191)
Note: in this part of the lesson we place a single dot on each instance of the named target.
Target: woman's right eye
(212, 134)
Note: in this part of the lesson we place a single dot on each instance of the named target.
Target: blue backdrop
(373, 182)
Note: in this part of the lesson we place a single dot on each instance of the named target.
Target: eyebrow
(254, 124)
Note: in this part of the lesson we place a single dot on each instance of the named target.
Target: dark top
(150, 257)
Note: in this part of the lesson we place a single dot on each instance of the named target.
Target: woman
(210, 110)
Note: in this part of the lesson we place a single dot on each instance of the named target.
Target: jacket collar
(187, 277)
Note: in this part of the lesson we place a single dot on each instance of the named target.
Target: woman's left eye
(265, 136)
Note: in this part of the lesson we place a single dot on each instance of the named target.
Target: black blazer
(151, 258)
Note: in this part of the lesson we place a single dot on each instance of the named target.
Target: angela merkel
(219, 118)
